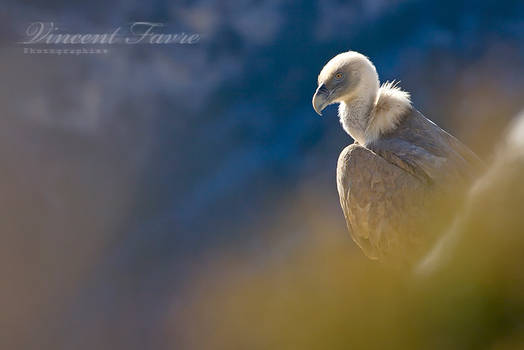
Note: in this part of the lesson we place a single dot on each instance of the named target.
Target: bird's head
(345, 77)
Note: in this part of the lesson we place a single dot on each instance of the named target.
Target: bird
(398, 167)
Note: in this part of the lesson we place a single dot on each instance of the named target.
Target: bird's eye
(338, 76)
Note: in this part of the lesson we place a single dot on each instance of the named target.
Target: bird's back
(427, 151)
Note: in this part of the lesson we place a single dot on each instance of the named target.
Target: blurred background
(184, 196)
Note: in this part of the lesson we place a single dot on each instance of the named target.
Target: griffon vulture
(400, 162)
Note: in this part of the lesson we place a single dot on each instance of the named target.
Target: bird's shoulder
(426, 151)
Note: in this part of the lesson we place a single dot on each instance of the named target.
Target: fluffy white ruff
(391, 105)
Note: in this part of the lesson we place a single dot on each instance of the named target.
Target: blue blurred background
(126, 174)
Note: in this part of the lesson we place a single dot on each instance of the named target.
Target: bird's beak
(321, 98)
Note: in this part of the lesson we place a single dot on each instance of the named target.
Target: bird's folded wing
(427, 167)
(382, 203)
(427, 152)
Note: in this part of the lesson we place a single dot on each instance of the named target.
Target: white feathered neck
(391, 105)
(365, 121)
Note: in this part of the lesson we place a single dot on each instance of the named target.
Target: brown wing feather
(382, 203)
